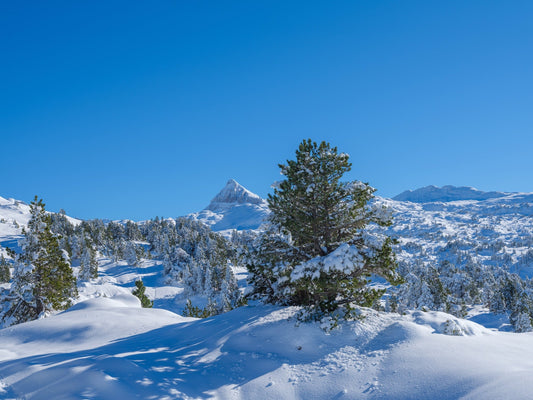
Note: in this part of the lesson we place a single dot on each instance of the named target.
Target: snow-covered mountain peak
(446, 193)
(232, 194)
(234, 207)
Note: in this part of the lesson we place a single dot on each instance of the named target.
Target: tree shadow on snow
(190, 358)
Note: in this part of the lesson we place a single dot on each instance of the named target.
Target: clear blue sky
(132, 109)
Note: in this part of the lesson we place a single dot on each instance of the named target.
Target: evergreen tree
(322, 256)
(130, 253)
(43, 280)
(5, 274)
(318, 210)
(139, 292)
(88, 261)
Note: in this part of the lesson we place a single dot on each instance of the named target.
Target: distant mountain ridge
(446, 193)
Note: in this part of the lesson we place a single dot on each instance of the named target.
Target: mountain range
(432, 224)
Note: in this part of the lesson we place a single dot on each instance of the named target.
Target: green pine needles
(5, 273)
(318, 252)
(43, 280)
(139, 292)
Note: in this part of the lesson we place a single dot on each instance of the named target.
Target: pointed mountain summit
(234, 207)
(233, 194)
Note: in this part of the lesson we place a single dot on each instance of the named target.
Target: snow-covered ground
(113, 349)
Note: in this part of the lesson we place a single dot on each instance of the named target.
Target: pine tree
(130, 253)
(5, 274)
(43, 280)
(88, 261)
(139, 292)
(322, 256)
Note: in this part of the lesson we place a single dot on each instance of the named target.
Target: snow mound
(446, 193)
(447, 324)
(121, 300)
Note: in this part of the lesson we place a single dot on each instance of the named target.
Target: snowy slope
(446, 193)
(234, 207)
(112, 349)
(14, 215)
(496, 231)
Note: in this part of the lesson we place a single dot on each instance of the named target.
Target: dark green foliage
(5, 274)
(315, 214)
(314, 205)
(43, 280)
(139, 292)
(11, 253)
(197, 312)
(195, 257)
(54, 282)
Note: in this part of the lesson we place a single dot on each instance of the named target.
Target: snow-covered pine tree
(64, 230)
(114, 240)
(5, 274)
(88, 262)
(328, 257)
(130, 253)
(198, 259)
(42, 280)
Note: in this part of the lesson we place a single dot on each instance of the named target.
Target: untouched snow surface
(113, 349)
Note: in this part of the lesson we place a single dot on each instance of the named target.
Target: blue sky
(130, 109)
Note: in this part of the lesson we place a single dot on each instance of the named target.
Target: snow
(233, 193)
(446, 193)
(346, 258)
(118, 279)
(111, 348)
(234, 207)
(14, 215)
(497, 231)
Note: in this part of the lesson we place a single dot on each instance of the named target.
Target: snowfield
(112, 349)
